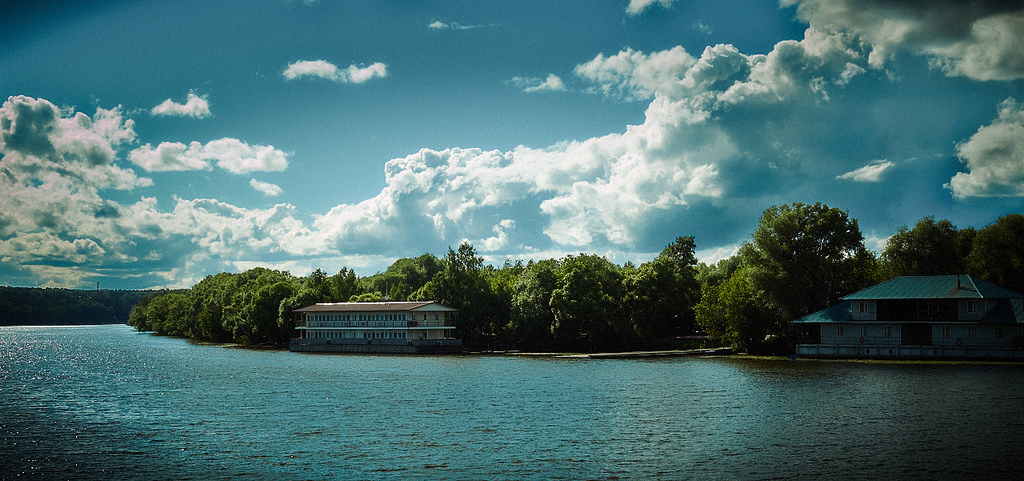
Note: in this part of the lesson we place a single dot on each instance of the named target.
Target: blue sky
(149, 144)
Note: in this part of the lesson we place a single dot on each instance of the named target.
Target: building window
(972, 306)
(863, 306)
(887, 331)
(972, 332)
(840, 331)
(863, 331)
(945, 332)
(999, 333)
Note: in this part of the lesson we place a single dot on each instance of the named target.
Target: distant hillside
(30, 306)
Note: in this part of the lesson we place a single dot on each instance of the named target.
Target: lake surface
(106, 402)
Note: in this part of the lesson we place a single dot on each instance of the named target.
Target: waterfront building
(380, 327)
(919, 317)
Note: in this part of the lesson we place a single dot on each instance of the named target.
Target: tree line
(21, 306)
(800, 259)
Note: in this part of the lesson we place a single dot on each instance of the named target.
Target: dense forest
(22, 306)
(801, 258)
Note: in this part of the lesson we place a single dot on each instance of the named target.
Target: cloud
(497, 242)
(868, 173)
(169, 156)
(534, 84)
(722, 132)
(268, 189)
(710, 139)
(327, 70)
(633, 75)
(439, 25)
(981, 40)
(56, 164)
(59, 228)
(994, 156)
(230, 154)
(636, 7)
(194, 106)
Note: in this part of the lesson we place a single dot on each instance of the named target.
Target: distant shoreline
(66, 324)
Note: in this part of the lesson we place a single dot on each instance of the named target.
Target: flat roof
(382, 306)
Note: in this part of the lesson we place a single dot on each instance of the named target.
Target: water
(105, 402)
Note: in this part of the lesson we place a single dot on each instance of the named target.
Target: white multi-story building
(383, 327)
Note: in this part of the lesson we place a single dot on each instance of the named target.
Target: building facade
(919, 317)
(377, 327)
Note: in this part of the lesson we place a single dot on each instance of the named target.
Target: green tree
(931, 248)
(660, 295)
(531, 318)
(586, 304)
(168, 314)
(318, 284)
(804, 257)
(403, 277)
(998, 253)
(252, 316)
(462, 285)
(743, 315)
(719, 272)
(344, 285)
(502, 286)
(208, 299)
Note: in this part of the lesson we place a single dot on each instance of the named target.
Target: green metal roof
(1009, 309)
(934, 287)
(837, 313)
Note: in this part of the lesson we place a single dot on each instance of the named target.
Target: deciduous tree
(998, 253)
(931, 248)
(804, 257)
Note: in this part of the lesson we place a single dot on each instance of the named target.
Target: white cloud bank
(994, 157)
(58, 227)
(229, 154)
(982, 40)
(194, 106)
(721, 128)
(326, 70)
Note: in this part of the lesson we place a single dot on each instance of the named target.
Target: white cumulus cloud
(994, 157)
(534, 84)
(636, 7)
(326, 70)
(230, 154)
(978, 39)
(268, 189)
(194, 106)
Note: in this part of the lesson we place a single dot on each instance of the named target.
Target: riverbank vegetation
(801, 258)
(31, 306)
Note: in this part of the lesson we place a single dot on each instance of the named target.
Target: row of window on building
(947, 332)
(353, 335)
(366, 317)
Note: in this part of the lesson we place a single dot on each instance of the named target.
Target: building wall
(910, 352)
(973, 309)
(943, 334)
(849, 333)
(863, 310)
